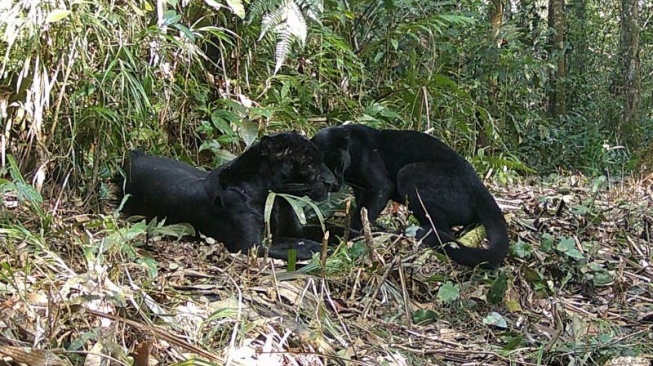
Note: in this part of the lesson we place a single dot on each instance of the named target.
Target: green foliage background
(84, 81)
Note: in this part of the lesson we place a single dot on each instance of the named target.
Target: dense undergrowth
(81, 288)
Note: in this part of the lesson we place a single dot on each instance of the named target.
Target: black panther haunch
(228, 203)
(415, 168)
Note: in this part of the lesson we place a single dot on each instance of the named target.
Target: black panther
(420, 170)
(228, 203)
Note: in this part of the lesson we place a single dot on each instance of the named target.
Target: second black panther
(228, 203)
(420, 170)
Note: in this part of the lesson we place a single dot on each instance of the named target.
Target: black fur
(409, 166)
(228, 203)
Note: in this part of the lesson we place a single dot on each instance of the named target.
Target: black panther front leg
(374, 199)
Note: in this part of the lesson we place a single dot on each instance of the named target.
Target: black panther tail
(497, 233)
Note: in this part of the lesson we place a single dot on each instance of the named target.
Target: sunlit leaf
(237, 7)
(495, 319)
(57, 15)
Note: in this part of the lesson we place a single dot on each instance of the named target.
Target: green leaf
(57, 15)
(568, 247)
(248, 131)
(522, 249)
(135, 230)
(547, 242)
(237, 7)
(297, 205)
(495, 319)
(150, 265)
(27, 192)
(498, 289)
(448, 292)
(305, 202)
(602, 278)
(269, 203)
(185, 31)
(513, 341)
(211, 145)
(214, 4)
(425, 316)
(178, 230)
(292, 260)
(224, 156)
(170, 17)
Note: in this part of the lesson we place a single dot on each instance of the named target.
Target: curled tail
(496, 230)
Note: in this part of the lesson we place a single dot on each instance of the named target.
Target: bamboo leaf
(57, 15)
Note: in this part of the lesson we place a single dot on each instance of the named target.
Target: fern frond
(282, 49)
(296, 23)
(260, 7)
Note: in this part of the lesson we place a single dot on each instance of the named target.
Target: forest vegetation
(550, 100)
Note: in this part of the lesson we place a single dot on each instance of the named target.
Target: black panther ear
(265, 145)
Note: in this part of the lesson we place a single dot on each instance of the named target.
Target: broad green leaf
(547, 242)
(237, 7)
(177, 230)
(57, 15)
(498, 289)
(568, 246)
(522, 249)
(248, 131)
(425, 316)
(448, 292)
(185, 31)
(170, 17)
(150, 265)
(224, 156)
(138, 228)
(602, 278)
(495, 319)
(211, 145)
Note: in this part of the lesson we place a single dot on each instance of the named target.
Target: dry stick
(164, 334)
(402, 278)
(323, 255)
(428, 216)
(367, 234)
(378, 287)
(345, 236)
(357, 281)
(63, 187)
(559, 327)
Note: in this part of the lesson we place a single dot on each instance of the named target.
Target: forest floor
(87, 289)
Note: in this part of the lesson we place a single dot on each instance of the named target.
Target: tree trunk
(578, 41)
(629, 78)
(557, 49)
(495, 16)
